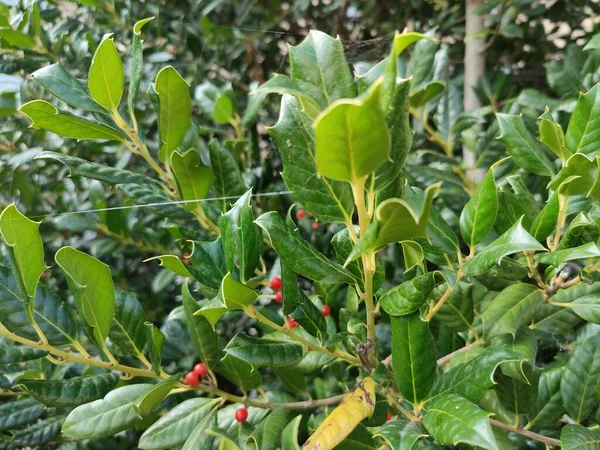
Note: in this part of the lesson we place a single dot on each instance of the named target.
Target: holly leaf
(106, 80)
(263, 352)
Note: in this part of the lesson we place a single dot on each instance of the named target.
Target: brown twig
(530, 434)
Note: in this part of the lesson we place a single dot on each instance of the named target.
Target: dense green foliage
(306, 229)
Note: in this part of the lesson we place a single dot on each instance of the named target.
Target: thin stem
(126, 240)
(255, 314)
(530, 434)
(560, 221)
(444, 297)
(446, 359)
(533, 271)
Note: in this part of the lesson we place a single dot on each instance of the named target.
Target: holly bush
(379, 296)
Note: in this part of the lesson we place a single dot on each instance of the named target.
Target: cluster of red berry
(193, 379)
(301, 213)
(276, 285)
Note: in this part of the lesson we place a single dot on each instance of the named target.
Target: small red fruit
(241, 415)
(43, 276)
(300, 214)
(292, 322)
(186, 258)
(389, 416)
(276, 283)
(191, 378)
(326, 310)
(315, 226)
(200, 369)
(279, 297)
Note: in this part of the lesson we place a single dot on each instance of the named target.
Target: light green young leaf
(413, 356)
(151, 399)
(578, 176)
(582, 134)
(103, 418)
(17, 38)
(289, 436)
(223, 112)
(175, 110)
(522, 147)
(479, 214)
(193, 178)
(558, 257)
(553, 136)
(26, 252)
(106, 80)
(452, 419)
(329, 201)
(352, 138)
(514, 240)
(91, 284)
(46, 116)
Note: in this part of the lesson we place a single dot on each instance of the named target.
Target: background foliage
(529, 322)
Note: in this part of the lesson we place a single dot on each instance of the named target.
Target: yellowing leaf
(356, 406)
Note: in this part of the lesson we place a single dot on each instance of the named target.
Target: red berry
(279, 297)
(241, 415)
(191, 378)
(186, 258)
(43, 276)
(315, 226)
(276, 283)
(389, 416)
(292, 322)
(200, 369)
(326, 310)
(300, 214)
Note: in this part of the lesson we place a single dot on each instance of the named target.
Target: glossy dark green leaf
(263, 352)
(329, 201)
(580, 378)
(10, 355)
(90, 282)
(319, 59)
(240, 373)
(582, 135)
(300, 255)
(72, 391)
(267, 435)
(427, 93)
(39, 433)
(582, 299)
(291, 379)
(407, 297)
(106, 80)
(452, 419)
(200, 437)
(81, 168)
(241, 238)
(400, 434)
(440, 234)
(310, 96)
(548, 408)
(545, 222)
(556, 258)
(457, 311)
(175, 110)
(137, 65)
(310, 317)
(229, 182)
(103, 418)
(290, 290)
(577, 437)
(471, 380)
(193, 178)
(155, 341)
(204, 338)
(49, 312)
(517, 396)
(60, 83)
(479, 214)
(522, 147)
(523, 343)
(514, 307)
(351, 138)
(48, 117)
(413, 356)
(388, 178)
(514, 240)
(577, 177)
(174, 428)
(127, 330)
(16, 413)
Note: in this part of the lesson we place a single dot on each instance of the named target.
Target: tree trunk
(474, 68)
